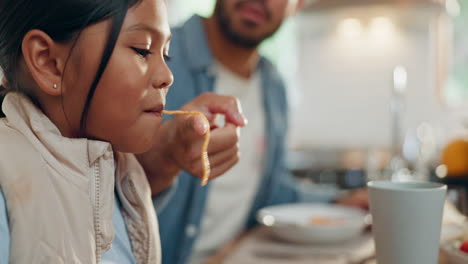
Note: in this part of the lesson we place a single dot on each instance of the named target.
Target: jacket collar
(23, 115)
(196, 45)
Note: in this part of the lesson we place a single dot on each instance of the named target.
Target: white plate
(330, 224)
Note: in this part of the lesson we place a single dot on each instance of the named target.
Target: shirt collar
(196, 45)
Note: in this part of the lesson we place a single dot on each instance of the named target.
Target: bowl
(313, 223)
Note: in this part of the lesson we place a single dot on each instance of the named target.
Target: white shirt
(231, 196)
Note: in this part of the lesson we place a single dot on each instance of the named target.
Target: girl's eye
(142, 52)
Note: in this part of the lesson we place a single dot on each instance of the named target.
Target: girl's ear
(45, 61)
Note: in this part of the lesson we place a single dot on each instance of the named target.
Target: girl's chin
(135, 151)
(138, 146)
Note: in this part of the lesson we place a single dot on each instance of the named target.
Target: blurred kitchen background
(378, 88)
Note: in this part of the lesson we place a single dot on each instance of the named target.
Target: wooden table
(259, 247)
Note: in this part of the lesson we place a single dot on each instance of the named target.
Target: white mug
(406, 221)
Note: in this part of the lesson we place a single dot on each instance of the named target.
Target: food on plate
(326, 221)
(464, 246)
(204, 157)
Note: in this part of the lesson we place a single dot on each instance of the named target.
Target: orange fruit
(455, 157)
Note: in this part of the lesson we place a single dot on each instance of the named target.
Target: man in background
(220, 54)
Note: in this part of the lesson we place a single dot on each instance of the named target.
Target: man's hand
(181, 139)
(358, 198)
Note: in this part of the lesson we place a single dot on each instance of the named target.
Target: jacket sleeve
(4, 232)
(295, 191)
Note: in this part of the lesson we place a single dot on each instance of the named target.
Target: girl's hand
(181, 138)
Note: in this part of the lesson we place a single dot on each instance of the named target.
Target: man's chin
(244, 39)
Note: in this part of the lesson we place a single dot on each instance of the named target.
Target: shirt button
(191, 231)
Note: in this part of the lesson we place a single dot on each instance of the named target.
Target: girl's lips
(159, 114)
(155, 110)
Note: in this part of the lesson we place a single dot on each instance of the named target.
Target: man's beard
(236, 37)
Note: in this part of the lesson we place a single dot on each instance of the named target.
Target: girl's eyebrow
(150, 29)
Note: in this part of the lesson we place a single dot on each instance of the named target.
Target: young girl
(86, 83)
(66, 86)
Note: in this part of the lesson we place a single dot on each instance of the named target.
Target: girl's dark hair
(63, 21)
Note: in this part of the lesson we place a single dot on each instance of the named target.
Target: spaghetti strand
(204, 157)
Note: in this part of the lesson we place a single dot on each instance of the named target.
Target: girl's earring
(55, 86)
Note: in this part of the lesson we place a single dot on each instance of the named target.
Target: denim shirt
(192, 65)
